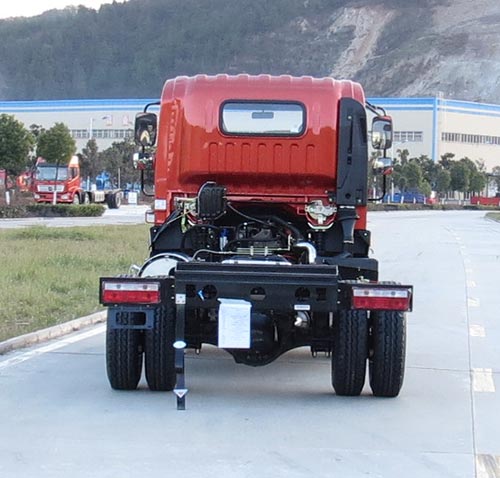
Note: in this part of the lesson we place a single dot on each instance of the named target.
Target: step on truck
(260, 242)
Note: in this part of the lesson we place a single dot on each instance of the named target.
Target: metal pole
(54, 196)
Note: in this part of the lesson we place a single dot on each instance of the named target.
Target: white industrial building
(436, 126)
(423, 126)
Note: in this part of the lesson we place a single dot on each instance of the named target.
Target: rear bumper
(281, 288)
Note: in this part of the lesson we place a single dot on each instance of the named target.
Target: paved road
(124, 215)
(60, 418)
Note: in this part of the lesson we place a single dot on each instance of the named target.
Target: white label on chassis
(301, 307)
(234, 323)
(180, 299)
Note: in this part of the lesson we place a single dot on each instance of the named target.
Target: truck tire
(86, 198)
(350, 351)
(124, 348)
(388, 350)
(114, 200)
(110, 201)
(159, 350)
(76, 199)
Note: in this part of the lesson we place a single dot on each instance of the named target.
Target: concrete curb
(51, 332)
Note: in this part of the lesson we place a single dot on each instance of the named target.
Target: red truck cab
(63, 180)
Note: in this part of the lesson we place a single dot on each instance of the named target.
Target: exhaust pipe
(311, 251)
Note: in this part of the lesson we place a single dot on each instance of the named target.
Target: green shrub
(49, 210)
(9, 212)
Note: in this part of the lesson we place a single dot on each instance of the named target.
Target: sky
(29, 8)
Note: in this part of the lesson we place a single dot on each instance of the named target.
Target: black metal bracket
(118, 320)
(180, 389)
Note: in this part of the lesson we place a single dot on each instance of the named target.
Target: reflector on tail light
(382, 298)
(129, 292)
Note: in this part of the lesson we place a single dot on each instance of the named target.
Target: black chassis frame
(284, 288)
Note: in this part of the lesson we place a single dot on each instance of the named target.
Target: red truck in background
(486, 201)
(260, 242)
(64, 184)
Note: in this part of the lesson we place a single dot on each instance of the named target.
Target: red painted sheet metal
(192, 149)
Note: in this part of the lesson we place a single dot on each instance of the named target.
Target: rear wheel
(110, 201)
(114, 200)
(124, 349)
(159, 350)
(350, 351)
(388, 350)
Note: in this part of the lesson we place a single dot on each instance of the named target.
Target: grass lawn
(51, 275)
(493, 215)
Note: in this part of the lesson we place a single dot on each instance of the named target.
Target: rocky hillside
(394, 47)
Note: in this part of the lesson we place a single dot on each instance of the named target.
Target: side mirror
(382, 166)
(143, 161)
(145, 129)
(381, 132)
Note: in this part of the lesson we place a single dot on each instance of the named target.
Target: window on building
(102, 133)
(470, 138)
(408, 136)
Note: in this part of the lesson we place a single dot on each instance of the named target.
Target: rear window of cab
(262, 118)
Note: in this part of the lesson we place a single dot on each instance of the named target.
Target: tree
(117, 160)
(460, 177)
(90, 159)
(403, 155)
(477, 182)
(430, 169)
(414, 175)
(447, 160)
(56, 145)
(496, 176)
(15, 145)
(443, 181)
(36, 130)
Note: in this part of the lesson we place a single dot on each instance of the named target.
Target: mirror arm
(156, 103)
(384, 190)
(143, 186)
(375, 109)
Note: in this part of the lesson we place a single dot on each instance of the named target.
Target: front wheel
(388, 350)
(76, 199)
(350, 351)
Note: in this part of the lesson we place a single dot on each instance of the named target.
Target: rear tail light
(382, 298)
(130, 292)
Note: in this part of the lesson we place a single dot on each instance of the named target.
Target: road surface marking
(487, 466)
(471, 284)
(473, 302)
(52, 346)
(477, 331)
(482, 380)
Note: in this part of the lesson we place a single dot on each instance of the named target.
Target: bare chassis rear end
(277, 292)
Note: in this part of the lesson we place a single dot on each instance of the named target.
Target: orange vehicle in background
(260, 242)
